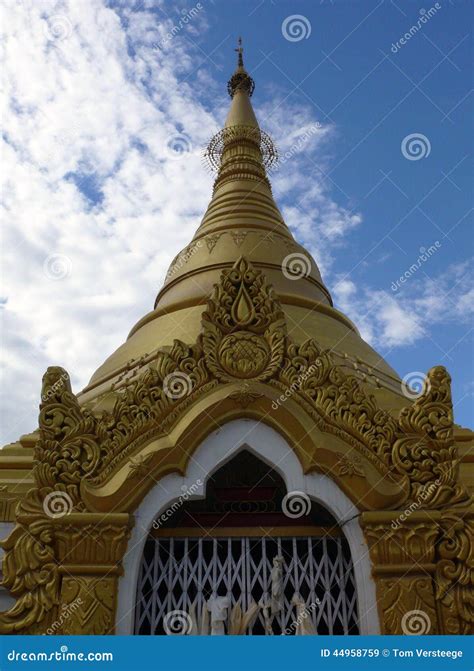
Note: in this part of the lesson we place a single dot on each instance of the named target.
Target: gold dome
(243, 219)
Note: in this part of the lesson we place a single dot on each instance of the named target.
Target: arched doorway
(219, 447)
(248, 543)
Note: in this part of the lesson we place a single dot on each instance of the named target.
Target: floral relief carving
(402, 597)
(212, 240)
(245, 396)
(97, 599)
(239, 237)
(243, 333)
(66, 452)
(425, 448)
(350, 466)
(455, 571)
(402, 555)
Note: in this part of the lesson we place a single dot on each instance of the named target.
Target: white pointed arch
(269, 446)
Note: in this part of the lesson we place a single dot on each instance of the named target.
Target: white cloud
(305, 146)
(395, 320)
(84, 112)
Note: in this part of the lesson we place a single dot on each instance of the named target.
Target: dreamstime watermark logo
(182, 259)
(177, 384)
(57, 504)
(177, 623)
(187, 15)
(66, 611)
(299, 145)
(57, 386)
(425, 254)
(57, 28)
(294, 624)
(425, 493)
(169, 512)
(61, 655)
(425, 16)
(295, 266)
(57, 266)
(415, 384)
(415, 146)
(296, 504)
(296, 28)
(416, 623)
(178, 146)
(295, 386)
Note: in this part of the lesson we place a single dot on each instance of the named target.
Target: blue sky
(106, 120)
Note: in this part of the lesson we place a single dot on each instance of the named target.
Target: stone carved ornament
(243, 338)
(455, 572)
(66, 452)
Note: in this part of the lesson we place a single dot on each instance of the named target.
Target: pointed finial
(240, 79)
(240, 51)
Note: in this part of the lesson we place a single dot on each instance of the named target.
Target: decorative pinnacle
(240, 51)
(240, 80)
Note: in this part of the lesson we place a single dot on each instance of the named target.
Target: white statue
(240, 621)
(218, 606)
(265, 608)
(303, 624)
(277, 585)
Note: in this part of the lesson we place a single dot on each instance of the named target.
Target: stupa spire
(240, 52)
(242, 218)
(241, 150)
(240, 80)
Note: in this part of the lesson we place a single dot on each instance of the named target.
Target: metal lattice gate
(178, 572)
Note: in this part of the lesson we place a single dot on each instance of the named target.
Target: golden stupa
(243, 220)
(243, 328)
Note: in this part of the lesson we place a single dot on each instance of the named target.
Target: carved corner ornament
(423, 565)
(454, 574)
(243, 341)
(425, 448)
(67, 452)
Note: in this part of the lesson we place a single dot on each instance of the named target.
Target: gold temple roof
(242, 219)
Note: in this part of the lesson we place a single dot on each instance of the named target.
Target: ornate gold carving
(29, 567)
(243, 338)
(140, 466)
(245, 396)
(97, 598)
(212, 240)
(338, 403)
(350, 466)
(251, 138)
(89, 550)
(402, 556)
(425, 451)
(410, 543)
(144, 409)
(91, 538)
(402, 599)
(66, 452)
(239, 237)
(455, 572)
(243, 327)
(243, 354)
